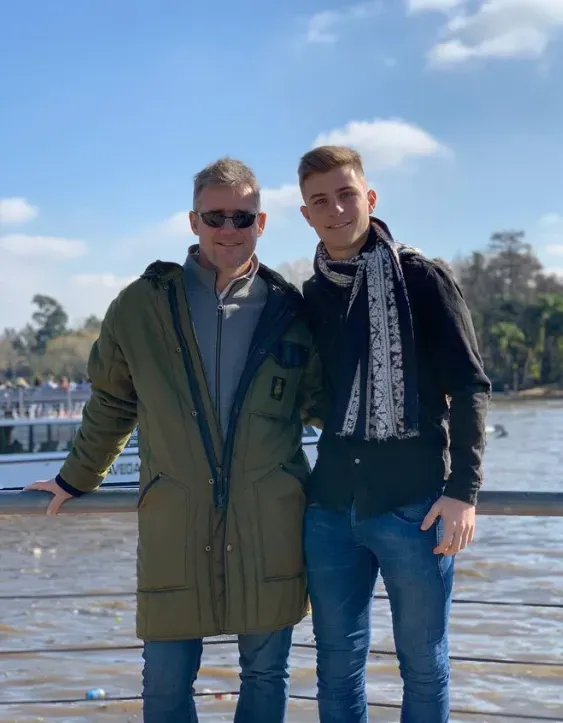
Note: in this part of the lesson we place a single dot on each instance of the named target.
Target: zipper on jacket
(153, 481)
(260, 347)
(205, 432)
(266, 334)
(220, 309)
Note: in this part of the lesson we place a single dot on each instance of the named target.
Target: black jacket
(453, 389)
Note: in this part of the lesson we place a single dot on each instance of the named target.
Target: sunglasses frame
(224, 217)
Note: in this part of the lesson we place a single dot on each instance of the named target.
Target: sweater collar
(239, 287)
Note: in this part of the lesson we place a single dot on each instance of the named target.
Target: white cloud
(499, 29)
(321, 27)
(551, 234)
(16, 210)
(384, 144)
(284, 198)
(101, 281)
(42, 247)
(80, 294)
(325, 26)
(520, 43)
(551, 219)
(178, 224)
(40, 264)
(419, 6)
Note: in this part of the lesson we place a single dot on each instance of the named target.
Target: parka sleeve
(109, 416)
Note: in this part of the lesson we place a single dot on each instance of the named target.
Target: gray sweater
(224, 325)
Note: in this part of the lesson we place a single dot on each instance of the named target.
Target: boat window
(14, 440)
(37, 438)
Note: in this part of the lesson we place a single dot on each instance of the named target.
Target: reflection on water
(512, 559)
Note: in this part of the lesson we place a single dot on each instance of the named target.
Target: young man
(214, 361)
(399, 461)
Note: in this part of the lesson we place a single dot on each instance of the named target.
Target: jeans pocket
(416, 512)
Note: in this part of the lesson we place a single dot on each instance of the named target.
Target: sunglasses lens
(214, 219)
(243, 219)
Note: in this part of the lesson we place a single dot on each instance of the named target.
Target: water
(512, 559)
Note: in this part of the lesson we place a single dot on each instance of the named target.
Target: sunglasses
(216, 219)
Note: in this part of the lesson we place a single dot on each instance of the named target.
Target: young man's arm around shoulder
(461, 375)
(109, 417)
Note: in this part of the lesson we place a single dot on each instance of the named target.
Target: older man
(214, 361)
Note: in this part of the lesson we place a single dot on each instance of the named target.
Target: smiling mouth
(337, 226)
(228, 245)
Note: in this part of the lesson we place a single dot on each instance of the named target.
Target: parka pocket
(280, 508)
(163, 553)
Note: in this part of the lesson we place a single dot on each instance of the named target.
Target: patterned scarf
(378, 397)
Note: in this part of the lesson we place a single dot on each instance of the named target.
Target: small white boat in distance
(496, 431)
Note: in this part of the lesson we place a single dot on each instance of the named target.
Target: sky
(109, 108)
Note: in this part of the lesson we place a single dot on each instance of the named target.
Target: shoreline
(535, 394)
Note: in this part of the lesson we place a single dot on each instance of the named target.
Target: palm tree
(511, 344)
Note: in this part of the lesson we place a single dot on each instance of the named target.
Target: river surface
(512, 559)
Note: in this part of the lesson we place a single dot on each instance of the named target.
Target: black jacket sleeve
(460, 372)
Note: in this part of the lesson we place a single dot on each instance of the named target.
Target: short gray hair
(226, 172)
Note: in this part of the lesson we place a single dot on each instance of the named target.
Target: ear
(194, 223)
(262, 217)
(306, 215)
(372, 200)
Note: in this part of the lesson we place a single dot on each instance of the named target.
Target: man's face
(227, 248)
(338, 205)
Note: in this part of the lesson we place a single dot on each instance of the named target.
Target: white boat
(34, 449)
(496, 431)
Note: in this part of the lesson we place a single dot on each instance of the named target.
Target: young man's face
(225, 247)
(338, 205)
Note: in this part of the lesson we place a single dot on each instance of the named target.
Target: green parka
(220, 522)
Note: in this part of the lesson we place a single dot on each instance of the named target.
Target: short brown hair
(226, 172)
(326, 158)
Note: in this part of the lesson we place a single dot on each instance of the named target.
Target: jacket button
(229, 548)
(356, 461)
(211, 481)
(208, 548)
(194, 414)
(262, 351)
(178, 349)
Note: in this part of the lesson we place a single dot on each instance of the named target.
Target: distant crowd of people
(48, 384)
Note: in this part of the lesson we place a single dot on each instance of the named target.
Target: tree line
(517, 309)
(47, 345)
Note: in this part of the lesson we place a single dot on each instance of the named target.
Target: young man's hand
(459, 524)
(59, 495)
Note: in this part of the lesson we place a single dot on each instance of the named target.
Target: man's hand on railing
(59, 495)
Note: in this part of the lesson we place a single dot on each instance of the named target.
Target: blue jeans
(344, 557)
(171, 669)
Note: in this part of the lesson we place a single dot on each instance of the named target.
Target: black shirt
(453, 392)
